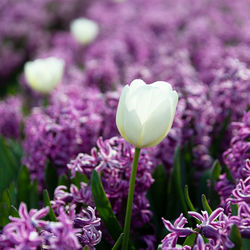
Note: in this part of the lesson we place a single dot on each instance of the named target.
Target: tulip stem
(126, 229)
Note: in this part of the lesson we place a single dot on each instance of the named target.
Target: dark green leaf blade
(8, 167)
(189, 241)
(157, 195)
(118, 242)
(104, 208)
(34, 196)
(235, 237)
(23, 186)
(51, 178)
(47, 203)
(188, 200)
(63, 180)
(5, 205)
(175, 190)
(205, 204)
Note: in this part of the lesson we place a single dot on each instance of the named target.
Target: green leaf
(205, 204)
(246, 243)
(34, 196)
(118, 242)
(189, 202)
(235, 237)
(16, 150)
(51, 178)
(23, 186)
(12, 193)
(157, 195)
(8, 167)
(175, 190)
(216, 170)
(4, 208)
(189, 241)
(228, 174)
(14, 211)
(63, 180)
(46, 201)
(104, 208)
(80, 178)
(234, 209)
(216, 143)
(214, 176)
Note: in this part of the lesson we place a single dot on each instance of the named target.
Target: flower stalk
(127, 223)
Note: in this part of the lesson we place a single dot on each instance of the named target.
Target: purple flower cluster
(236, 158)
(11, 117)
(71, 124)
(214, 228)
(113, 159)
(70, 231)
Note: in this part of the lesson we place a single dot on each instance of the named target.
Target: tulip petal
(164, 86)
(132, 127)
(158, 124)
(134, 88)
(120, 111)
(174, 99)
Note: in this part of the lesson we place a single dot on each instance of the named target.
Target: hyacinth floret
(70, 231)
(22, 232)
(176, 230)
(235, 157)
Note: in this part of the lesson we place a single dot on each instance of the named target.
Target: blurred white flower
(43, 75)
(84, 30)
(146, 112)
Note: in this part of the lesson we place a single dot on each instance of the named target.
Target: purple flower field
(65, 156)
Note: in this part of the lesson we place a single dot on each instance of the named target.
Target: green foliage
(80, 178)
(51, 178)
(23, 185)
(235, 237)
(104, 208)
(188, 200)
(205, 204)
(34, 196)
(206, 186)
(189, 241)
(46, 201)
(217, 140)
(245, 243)
(234, 209)
(8, 166)
(175, 189)
(5, 205)
(118, 242)
(157, 195)
(64, 180)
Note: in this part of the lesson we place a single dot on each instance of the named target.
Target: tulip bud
(145, 112)
(43, 75)
(84, 30)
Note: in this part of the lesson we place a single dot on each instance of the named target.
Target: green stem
(130, 200)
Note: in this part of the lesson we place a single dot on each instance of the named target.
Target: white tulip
(84, 30)
(146, 112)
(43, 75)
